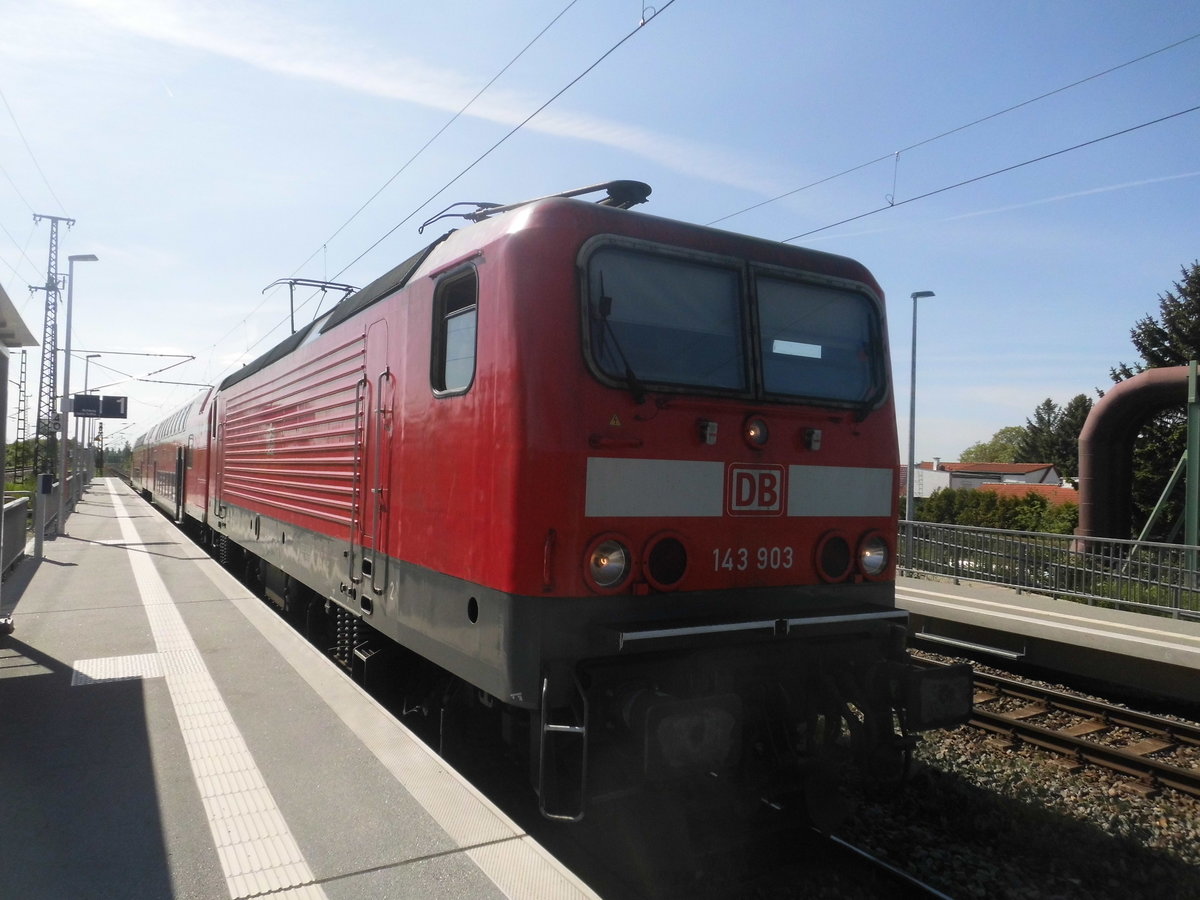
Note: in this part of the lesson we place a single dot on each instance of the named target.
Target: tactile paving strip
(256, 849)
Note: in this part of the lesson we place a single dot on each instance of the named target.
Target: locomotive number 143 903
(741, 559)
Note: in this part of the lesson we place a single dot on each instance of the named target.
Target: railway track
(1156, 751)
(885, 879)
(622, 855)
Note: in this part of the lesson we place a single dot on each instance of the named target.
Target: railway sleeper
(1091, 726)
(1147, 746)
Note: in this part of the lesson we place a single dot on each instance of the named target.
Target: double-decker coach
(631, 480)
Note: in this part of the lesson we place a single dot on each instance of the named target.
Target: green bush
(987, 509)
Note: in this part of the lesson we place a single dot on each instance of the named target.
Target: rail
(1090, 732)
(1139, 576)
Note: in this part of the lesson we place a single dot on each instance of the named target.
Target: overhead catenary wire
(895, 155)
(454, 118)
(29, 150)
(950, 187)
(607, 53)
(126, 377)
(472, 164)
(24, 251)
(16, 189)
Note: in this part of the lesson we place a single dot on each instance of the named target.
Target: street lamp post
(910, 505)
(64, 413)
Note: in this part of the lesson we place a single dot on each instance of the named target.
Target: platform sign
(93, 406)
(85, 406)
(114, 407)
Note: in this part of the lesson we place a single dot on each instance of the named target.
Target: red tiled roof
(997, 468)
(1054, 493)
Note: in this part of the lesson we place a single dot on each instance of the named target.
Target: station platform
(1152, 655)
(163, 734)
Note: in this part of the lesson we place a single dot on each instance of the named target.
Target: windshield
(816, 341)
(667, 321)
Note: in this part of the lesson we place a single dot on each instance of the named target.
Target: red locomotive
(632, 480)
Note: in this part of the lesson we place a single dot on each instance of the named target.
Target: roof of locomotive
(348, 307)
(489, 222)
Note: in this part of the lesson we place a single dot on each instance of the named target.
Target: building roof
(996, 468)
(13, 331)
(1056, 494)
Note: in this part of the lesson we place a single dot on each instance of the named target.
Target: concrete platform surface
(163, 734)
(1156, 654)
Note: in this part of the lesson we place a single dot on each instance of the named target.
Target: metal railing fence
(14, 521)
(1121, 574)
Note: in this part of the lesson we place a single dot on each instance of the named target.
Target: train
(628, 485)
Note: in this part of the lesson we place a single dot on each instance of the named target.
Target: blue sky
(206, 149)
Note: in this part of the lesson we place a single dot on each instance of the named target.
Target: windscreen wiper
(605, 310)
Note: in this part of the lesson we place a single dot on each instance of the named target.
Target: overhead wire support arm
(347, 290)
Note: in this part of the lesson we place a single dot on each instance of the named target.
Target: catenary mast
(44, 456)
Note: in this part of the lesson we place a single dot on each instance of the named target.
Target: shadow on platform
(80, 816)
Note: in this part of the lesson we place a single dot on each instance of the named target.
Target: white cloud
(272, 42)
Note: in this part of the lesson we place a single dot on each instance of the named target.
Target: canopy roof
(13, 331)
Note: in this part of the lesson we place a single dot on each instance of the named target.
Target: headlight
(755, 431)
(873, 555)
(608, 563)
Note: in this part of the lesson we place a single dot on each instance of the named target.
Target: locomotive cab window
(667, 319)
(656, 319)
(455, 314)
(818, 342)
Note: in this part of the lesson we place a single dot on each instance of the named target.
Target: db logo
(755, 490)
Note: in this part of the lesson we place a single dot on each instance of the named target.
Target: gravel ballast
(982, 819)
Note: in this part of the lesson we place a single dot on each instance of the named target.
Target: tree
(1173, 339)
(20, 454)
(1052, 435)
(1037, 444)
(1070, 423)
(980, 508)
(1002, 448)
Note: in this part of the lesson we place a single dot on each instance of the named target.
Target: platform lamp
(911, 499)
(66, 394)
